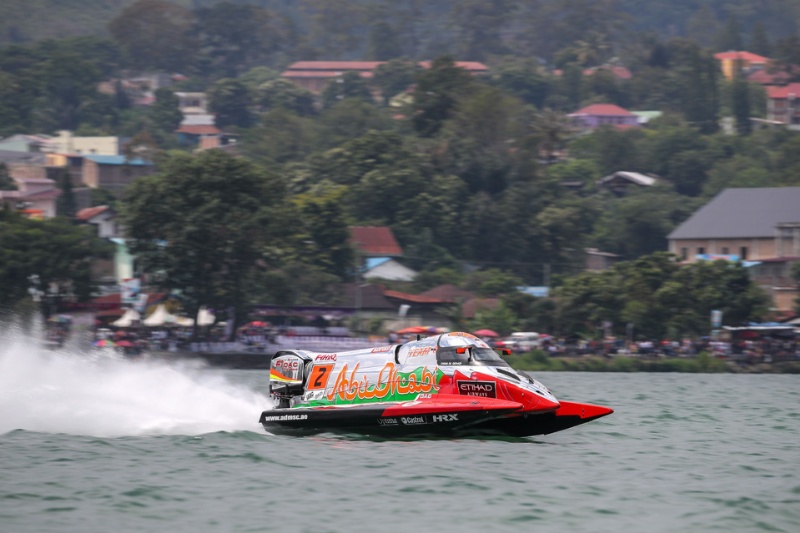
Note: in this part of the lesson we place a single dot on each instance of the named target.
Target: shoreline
(532, 363)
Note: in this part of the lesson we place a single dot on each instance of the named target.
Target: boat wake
(85, 392)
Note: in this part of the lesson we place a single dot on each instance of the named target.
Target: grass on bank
(540, 361)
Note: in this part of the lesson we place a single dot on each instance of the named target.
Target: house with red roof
(748, 62)
(378, 251)
(315, 75)
(783, 104)
(103, 217)
(193, 134)
(374, 241)
(596, 115)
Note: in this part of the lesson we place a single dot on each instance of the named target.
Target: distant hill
(25, 21)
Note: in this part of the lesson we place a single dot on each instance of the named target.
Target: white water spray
(80, 393)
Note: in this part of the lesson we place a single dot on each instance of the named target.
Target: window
(701, 250)
(743, 253)
(724, 250)
(684, 253)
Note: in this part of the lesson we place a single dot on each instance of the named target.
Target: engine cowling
(288, 373)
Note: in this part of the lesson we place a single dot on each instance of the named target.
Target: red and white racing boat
(451, 384)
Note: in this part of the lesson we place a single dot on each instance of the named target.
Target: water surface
(98, 444)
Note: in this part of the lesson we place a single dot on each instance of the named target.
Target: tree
(382, 43)
(740, 102)
(324, 229)
(335, 26)
(759, 43)
(229, 100)
(551, 131)
(730, 37)
(155, 34)
(235, 37)
(348, 85)
(522, 79)
(66, 84)
(282, 93)
(6, 182)
(165, 112)
(479, 25)
(57, 252)
(202, 221)
(394, 77)
(437, 93)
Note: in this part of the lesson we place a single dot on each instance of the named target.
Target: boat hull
(445, 419)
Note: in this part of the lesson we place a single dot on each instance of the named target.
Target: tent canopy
(127, 319)
(159, 317)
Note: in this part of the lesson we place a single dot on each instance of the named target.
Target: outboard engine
(287, 376)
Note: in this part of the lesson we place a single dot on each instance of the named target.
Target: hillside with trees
(474, 174)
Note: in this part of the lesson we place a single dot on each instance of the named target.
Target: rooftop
(742, 213)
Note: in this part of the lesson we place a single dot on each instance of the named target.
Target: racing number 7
(319, 377)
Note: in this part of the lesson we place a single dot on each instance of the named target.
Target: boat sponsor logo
(314, 395)
(325, 357)
(445, 418)
(484, 389)
(281, 418)
(413, 420)
(287, 364)
(388, 421)
(380, 349)
(390, 383)
(419, 352)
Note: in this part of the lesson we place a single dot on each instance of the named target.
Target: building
(374, 241)
(104, 218)
(387, 268)
(783, 105)
(748, 62)
(35, 197)
(25, 143)
(194, 135)
(67, 143)
(759, 226)
(192, 103)
(114, 172)
(597, 260)
(315, 75)
(596, 115)
(619, 181)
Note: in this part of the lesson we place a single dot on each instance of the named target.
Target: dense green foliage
(55, 251)
(476, 175)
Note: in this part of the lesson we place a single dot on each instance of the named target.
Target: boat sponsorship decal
(325, 357)
(318, 379)
(353, 386)
(413, 420)
(484, 389)
(381, 349)
(281, 418)
(420, 351)
(387, 421)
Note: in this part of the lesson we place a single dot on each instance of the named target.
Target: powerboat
(451, 385)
